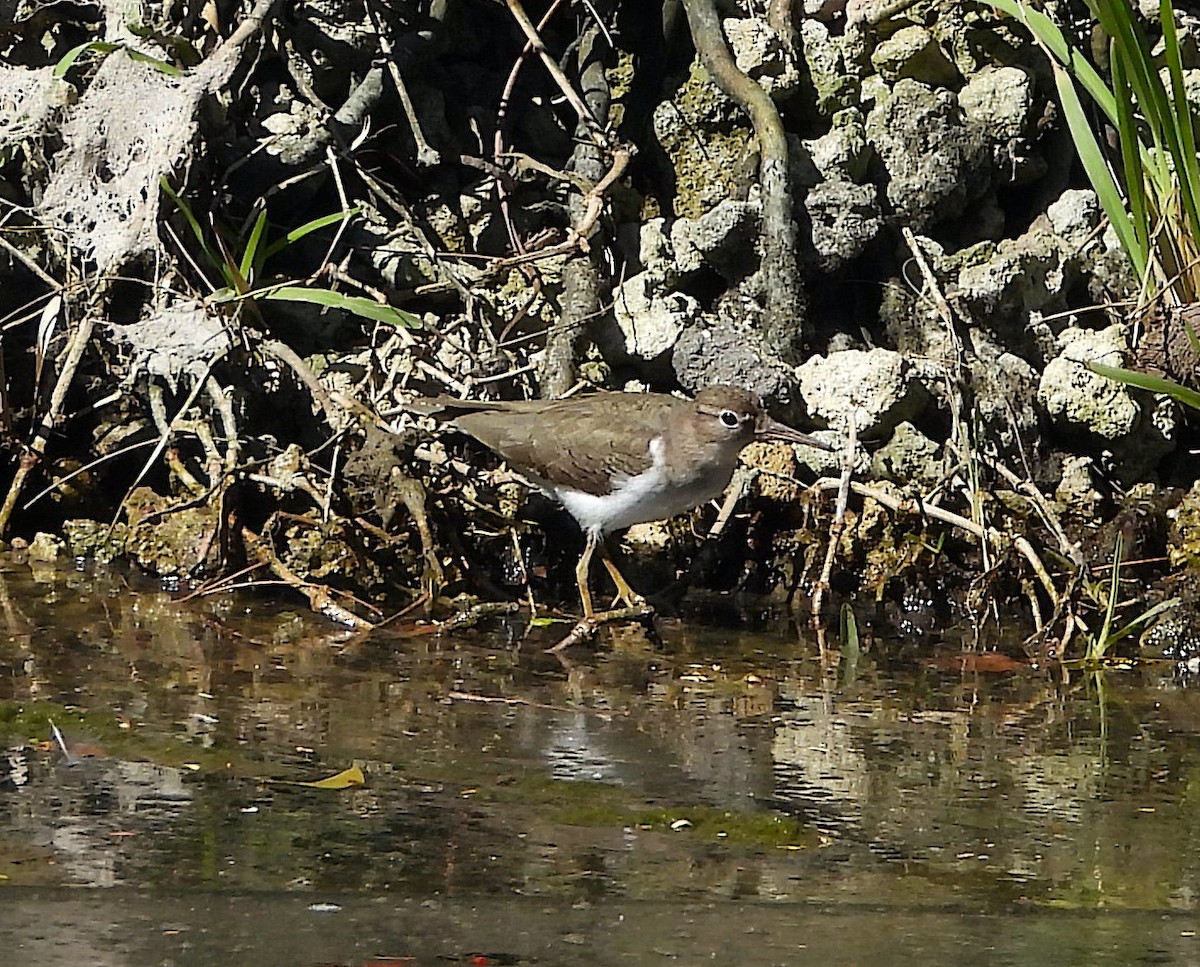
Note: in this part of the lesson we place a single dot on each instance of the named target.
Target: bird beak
(768, 429)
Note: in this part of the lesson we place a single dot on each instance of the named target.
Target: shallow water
(714, 799)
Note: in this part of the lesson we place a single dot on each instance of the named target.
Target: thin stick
(33, 456)
(583, 112)
(835, 532)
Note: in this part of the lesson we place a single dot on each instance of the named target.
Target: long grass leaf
(1118, 20)
(72, 55)
(157, 63)
(1132, 171)
(249, 262)
(1047, 32)
(1097, 170)
(357, 305)
(1153, 384)
(307, 229)
(1186, 163)
(1100, 642)
(186, 211)
(1142, 619)
(1131, 47)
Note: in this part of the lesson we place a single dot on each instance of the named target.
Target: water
(718, 799)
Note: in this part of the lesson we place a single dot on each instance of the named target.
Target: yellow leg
(629, 596)
(581, 572)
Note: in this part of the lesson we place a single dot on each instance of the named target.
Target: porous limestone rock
(649, 318)
(722, 237)
(1136, 429)
(908, 457)
(843, 151)
(728, 352)
(998, 108)
(875, 387)
(1078, 399)
(913, 51)
(1021, 275)
(1074, 217)
(998, 99)
(760, 52)
(1076, 490)
(833, 85)
(935, 164)
(845, 218)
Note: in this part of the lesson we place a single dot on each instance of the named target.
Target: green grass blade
(1186, 163)
(157, 63)
(1097, 170)
(248, 263)
(1047, 33)
(1168, 115)
(1144, 618)
(357, 305)
(1118, 21)
(1127, 136)
(193, 224)
(1153, 384)
(307, 229)
(1114, 595)
(72, 55)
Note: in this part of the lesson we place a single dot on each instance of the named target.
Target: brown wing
(583, 441)
(446, 409)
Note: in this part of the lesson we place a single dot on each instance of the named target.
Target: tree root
(784, 308)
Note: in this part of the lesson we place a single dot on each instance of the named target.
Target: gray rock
(997, 105)
(843, 152)
(876, 387)
(649, 320)
(760, 52)
(845, 218)
(1005, 389)
(913, 52)
(1079, 400)
(999, 100)
(735, 354)
(824, 9)
(873, 92)
(1076, 490)
(834, 86)
(908, 457)
(1022, 275)
(724, 237)
(1074, 217)
(655, 252)
(935, 165)
(709, 144)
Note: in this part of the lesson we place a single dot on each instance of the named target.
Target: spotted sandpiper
(617, 459)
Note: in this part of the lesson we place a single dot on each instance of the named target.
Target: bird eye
(730, 419)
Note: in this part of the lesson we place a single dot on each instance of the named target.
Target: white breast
(650, 495)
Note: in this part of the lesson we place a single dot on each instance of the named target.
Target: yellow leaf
(345, 779)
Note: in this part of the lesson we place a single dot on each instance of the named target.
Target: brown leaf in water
(975, 661)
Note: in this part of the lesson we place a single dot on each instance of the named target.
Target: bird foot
(632, 602)
(587, 626)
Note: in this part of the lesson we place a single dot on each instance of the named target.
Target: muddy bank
(238, 244)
